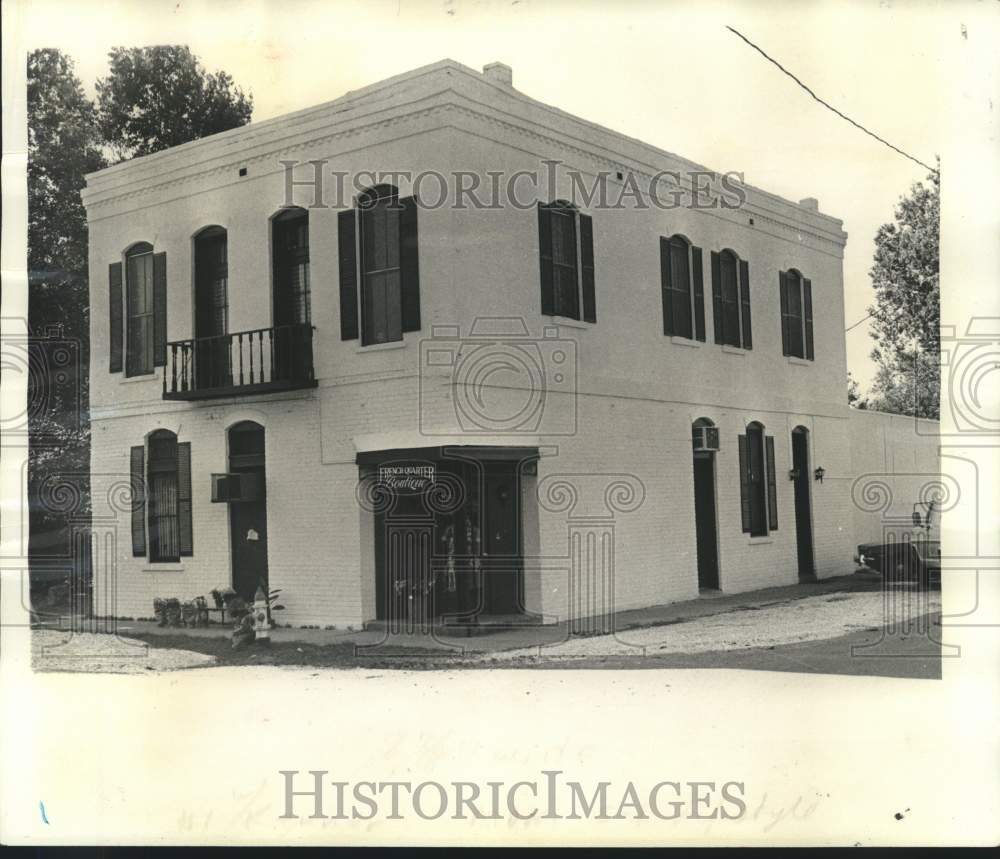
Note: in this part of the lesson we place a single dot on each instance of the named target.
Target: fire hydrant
(262, 625)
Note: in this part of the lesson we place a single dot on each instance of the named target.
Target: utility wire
(827, 104)
(856, 324)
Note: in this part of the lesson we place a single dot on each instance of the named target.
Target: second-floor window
(379, 272)
(796, 315)
(731, 300)
(566, 256)
(682, 289)
(137, 304)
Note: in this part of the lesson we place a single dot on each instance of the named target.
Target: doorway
(248, 516)
(447, 534)
(705, 437)
(803, 505)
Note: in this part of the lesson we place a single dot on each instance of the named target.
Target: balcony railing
(247, 362)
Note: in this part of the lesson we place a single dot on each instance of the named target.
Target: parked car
(912, 556)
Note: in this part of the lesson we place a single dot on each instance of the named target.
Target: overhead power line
(856, 324)
(829, 106)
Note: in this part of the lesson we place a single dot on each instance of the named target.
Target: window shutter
(409, 269)
(587, 268)
(116, 312)
(744, 483)
(545, 260)
(807, 313)
(772, 488)
(348, 255)
(699, 294)
(184, 499)
(745, 303)
(668, 304)
(159, 309)
(717, 296)
(138, 481)
(783, 298)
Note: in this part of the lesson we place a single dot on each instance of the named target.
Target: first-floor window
(566, 251)
(758, 489)
(161, 498)
(796, 314)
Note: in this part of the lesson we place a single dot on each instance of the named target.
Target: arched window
(682, 289)
(290, 242)
(566, 249)
(704, 435)
(167, 498)
(796, 314)
(731, 300)
(758, 488)
(139, 310)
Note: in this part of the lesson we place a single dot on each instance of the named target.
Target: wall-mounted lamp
(819, 472)
(793, 474)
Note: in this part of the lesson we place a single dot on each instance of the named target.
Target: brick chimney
(810, 203)
(499, 73)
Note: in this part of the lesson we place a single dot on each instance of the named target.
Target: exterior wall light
(793, 474)
(819, 472)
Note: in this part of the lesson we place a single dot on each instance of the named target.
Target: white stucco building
(394, 406)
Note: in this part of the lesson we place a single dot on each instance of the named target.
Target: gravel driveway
(809, 619)
(86, 651)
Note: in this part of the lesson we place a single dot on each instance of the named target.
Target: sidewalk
(533, 635)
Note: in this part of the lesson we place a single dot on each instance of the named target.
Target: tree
(909, 385)
(160, 96)
(906, 313)
(854, 396)
(63, 146)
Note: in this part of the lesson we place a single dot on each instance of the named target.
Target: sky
(668, 73)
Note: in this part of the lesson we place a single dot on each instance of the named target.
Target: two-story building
(317, 362)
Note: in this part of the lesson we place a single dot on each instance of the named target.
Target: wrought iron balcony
(263, 360)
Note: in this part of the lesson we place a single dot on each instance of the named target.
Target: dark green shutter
(807, 312)
(347, 252)
(159, 309)
(745, 303)
(587, 268)
(744, 483)
(668, 304)
(717, 296)
(772, 487)
(699, 294)
(409, 270)
(545, 260)
(783, 299)
(116, 316)
(138, 482)
(184, 518)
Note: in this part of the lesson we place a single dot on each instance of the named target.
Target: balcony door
(213, 362)
(291, 345)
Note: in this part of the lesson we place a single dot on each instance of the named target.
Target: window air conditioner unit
(706, 438)
(234, 488)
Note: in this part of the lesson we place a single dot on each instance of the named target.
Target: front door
(405, 585)
(501, 541)
(704, 521)
(803, 507)
(248, 518)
